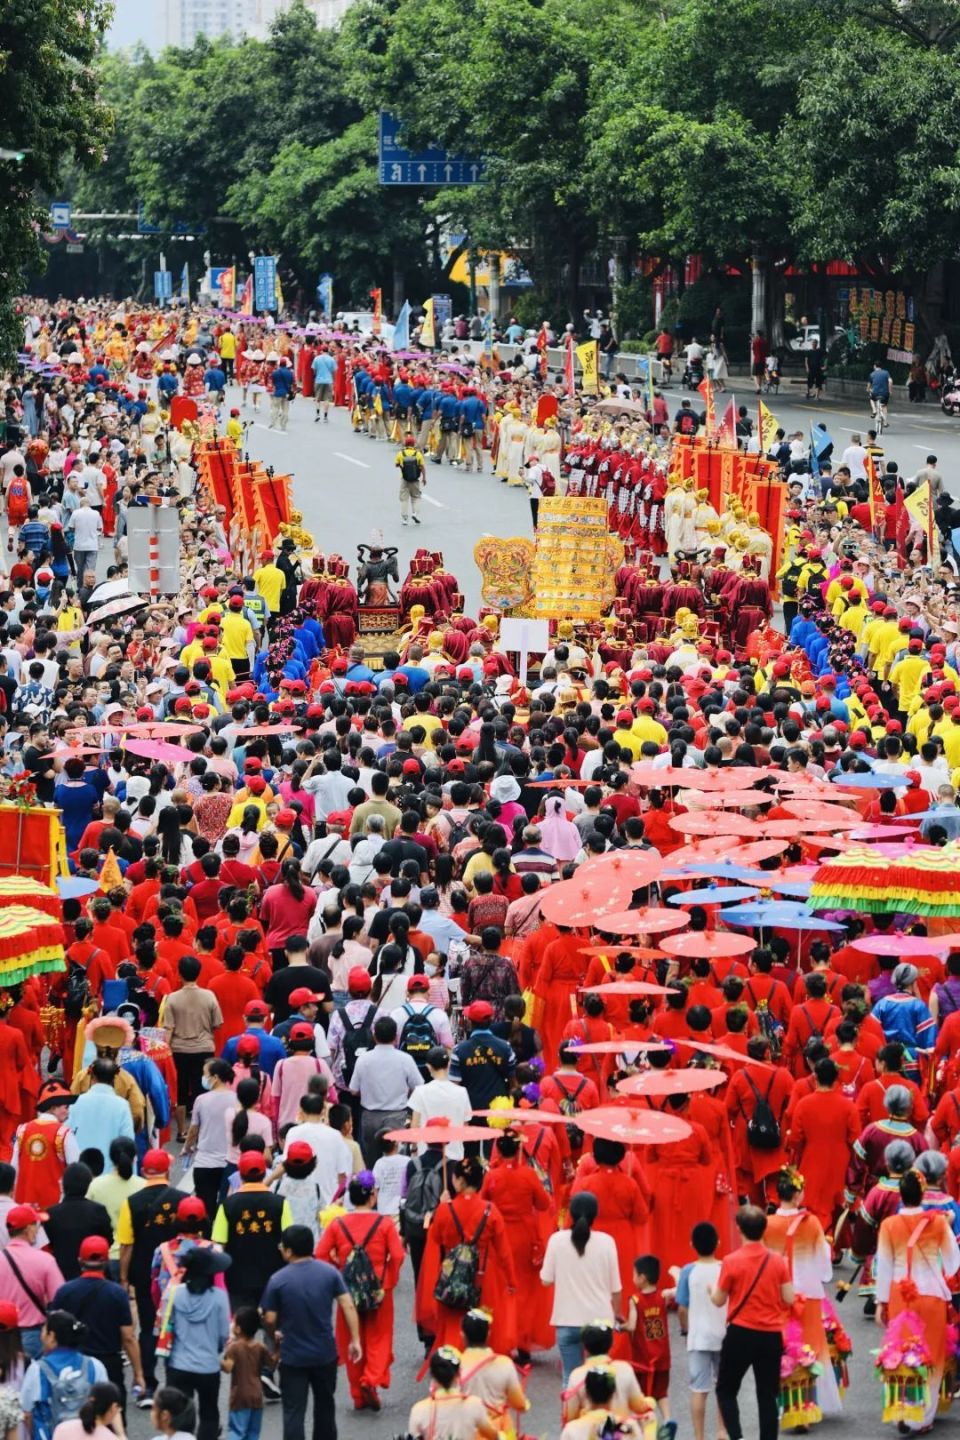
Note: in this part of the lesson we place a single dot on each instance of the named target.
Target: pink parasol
(639, 952)
(636, 868)
(727, 799)
(822, 814)
(633, 1127)
(709, 944)
(699, 824)
(898, 944)
(152, 728)
(627, 987)
(757, 851)
(648, 921)
(621, 1047)
(724, 1052)
(440, 1134)
(160, 750)
(671, 1082)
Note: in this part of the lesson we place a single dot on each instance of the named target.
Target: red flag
(164, 341)
(568, 369)
(705, 388)
(377, 297)
(877, 500)
(727, 429)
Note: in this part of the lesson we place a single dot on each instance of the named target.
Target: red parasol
(581, 900)
(671, 1082)
(152, 728)
(160, 750)
(648, 921)
(621, 1047)
(898, 944)
(707, 944)
(564, 783)
(698, 824)
(883, 832)
(633, 1127)
(639, 952)
(727, 799)
(628, 987)
(724, 1052)
(827, 842)
(661, 779)
(754, 853)
(439, 1134)
(821, 814)
(710, 849)
(68, 752)
(636, 868)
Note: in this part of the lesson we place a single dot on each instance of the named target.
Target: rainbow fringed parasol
(922, 881)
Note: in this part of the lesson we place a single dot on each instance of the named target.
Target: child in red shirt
(650, 1336)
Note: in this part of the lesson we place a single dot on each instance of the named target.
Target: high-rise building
(185, 20)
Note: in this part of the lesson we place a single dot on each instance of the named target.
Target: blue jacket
(283, 382)
(449, 408)
(425, 403)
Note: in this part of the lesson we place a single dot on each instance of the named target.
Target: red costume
(623, 1202)
(41, 1161)
(377, 1236)
(19, 1086)
(528, 1218)
(454, 1220)
(560, 975)
(824, 1128)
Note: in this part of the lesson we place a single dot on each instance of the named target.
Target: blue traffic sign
(163, 284)
(430, 166)
(60, 214)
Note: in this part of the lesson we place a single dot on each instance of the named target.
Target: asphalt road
(346, 484)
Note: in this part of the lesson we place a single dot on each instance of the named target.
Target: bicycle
(878, 409)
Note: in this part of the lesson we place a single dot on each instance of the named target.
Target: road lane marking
(350, 460)
(430, 501)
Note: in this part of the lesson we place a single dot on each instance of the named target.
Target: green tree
(51, 111)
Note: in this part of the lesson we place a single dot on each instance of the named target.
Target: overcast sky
(135, 20)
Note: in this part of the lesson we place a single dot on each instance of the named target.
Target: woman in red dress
(514, 1188)
(623, 1200)
(560, 976)
(109, 512)
(470, 1219)
(683, 1178)
(377, 1235)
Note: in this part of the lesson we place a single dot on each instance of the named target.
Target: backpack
(417, 1038)
(359, 1276)
(457, 834)
(65, 1390)
(537, 1167)
(763, 1129)
(767, 1023)
(424, 1188)
(687, 423)
(459, 1282)
(76, 995)
(569, 1106)
(410, 469)
(548, 485)
(356, 1038)
(815, 1032)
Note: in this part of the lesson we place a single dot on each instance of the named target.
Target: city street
(346, 484)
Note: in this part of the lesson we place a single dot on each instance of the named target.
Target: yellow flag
(769, 425)
(278, 288)
(428, 332)
(919, 506)
(110, 876)
(589, 357)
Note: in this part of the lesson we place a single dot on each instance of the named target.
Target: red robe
(683, 1175)
(623, 1210)
(19, 1086)
(825, 1126)
(753, 1166)
(496, 1268)
(559, 977)
(528, 1217)
(385, 1250)
(305, 370)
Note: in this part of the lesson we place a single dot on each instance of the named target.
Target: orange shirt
(762, 1308)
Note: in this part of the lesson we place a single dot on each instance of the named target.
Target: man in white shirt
(384, 1078)
(440, 1098)
(86, 525)
(855, 457)
(329, 789)
(334, 1161)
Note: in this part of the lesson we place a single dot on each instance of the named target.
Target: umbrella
(911, 880)
(663, 777)
(758, 851)
(628, 987)
(797, 889)
(788, 830)
(612, 406)
(633, 1127)
(823, 814)
(706, 944)
(880, 832)
(728, 870)
(648, 921)
(798, 872)
(121, 606)
(764, 912)
(152, 728)
(827, 842)
(671, 1082)
(621, 1047)
(639, 952)
(22, 890)
(74, 887)
(727, 799)
(159, 750)
(916, 816)
(107, 590)
(440, 1134)
(869, 781)
(565, 783)
(638, 868)
(722, 1052)
(806, 922)
(899, 944)
(582, 901)
(736, 825)
(714, 895)
(718, 848)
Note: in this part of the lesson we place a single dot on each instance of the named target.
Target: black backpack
(356, 1038)
(359, 1275)
(417, 1038)
(424, 1188)
(410, 469)
(763, 1128)
(569, 1106)
(460, 1282)
(76, 995)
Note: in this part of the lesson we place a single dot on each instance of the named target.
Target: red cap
(235, 602)
(411, 767)
(646, 705)
(889, 612)
(301, 1031)
(94, 1247)
(145, 713)
(878, 607)
(181, 706)
(418, 982)
(905, 625)
(20, 1216)
(303, 995)
(9, 1315)
(299, 1152)
(252, 1164)
(248, 1047)
(255, 1008)
(339, 666)
(252, 765)
(479, 1011)
(285, 817)
(915, 645)
(256, 784)
(359, 980)
(624, 717)
(191, 1207)
(455, 767)
(857, 741)
(155, 1162)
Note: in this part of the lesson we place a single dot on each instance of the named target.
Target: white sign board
(60, 214)
(528, 637)
(142, 522)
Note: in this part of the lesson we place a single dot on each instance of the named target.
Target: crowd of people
(365, 899)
